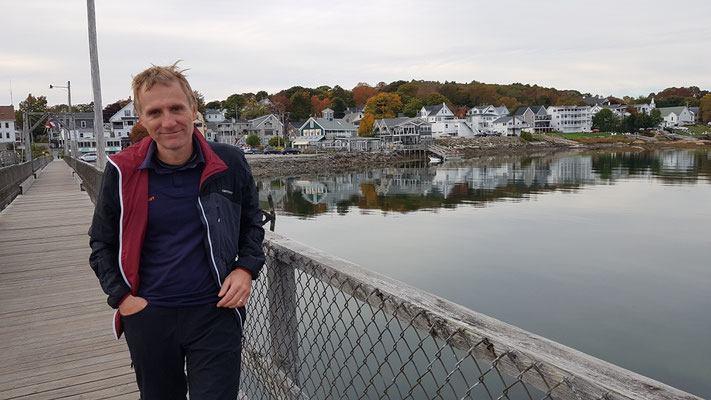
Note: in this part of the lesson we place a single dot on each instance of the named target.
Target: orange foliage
(319, 105)
(366, 125)
(362, 92)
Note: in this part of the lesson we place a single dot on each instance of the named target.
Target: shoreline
(267, 166)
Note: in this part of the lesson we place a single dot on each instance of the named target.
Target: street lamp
(71, 118)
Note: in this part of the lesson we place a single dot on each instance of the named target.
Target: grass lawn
(585, 135)
(699, 129)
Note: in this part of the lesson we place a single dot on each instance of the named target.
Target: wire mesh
(314, 333)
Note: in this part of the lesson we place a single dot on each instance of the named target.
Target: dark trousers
(206, 340)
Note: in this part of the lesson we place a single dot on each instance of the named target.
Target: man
(176, 241)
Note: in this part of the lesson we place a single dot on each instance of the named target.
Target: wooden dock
(56, 340)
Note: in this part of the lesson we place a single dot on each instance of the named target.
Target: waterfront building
(535, 117)
(480, 119)
(7, 125)
(328, 126)
(123, 121)
(266, 127)
(570, 119)
(354, 114)
(229, 131)
(510, 126)
(442, 120)
(645, 108)
(676, 116)
(212, 115)
(407, 131)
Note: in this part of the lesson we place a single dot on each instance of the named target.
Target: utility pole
(27, 135)
(96, 85)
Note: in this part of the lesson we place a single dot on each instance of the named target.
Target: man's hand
(235, 289)
(131, 305)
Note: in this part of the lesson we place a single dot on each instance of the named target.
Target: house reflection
(474, 182)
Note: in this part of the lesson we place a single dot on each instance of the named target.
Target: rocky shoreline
(265, 166)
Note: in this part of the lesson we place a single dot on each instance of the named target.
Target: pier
(318, 326)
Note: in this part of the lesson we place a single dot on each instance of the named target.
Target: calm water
(606, 253)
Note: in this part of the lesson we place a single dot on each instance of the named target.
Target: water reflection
(477, 182)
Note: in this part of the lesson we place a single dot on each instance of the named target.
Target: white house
(354, 114)
(7, 124)
(510, 126)
(442, 119)
(570, 119)
(123, 121)
(676, 116)
(480, 119)
(212, 115)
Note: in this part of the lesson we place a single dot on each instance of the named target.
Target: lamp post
(70, 115)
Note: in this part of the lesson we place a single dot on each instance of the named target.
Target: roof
(332, 125)
(7, 113)
(521, 110)
(594, 100)
(668, 110)
(433, 110)
(392, 122)
(212, 111)
(355, 109)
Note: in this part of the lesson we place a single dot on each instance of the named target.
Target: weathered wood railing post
(282, 318)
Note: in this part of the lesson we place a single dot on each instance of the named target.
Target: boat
(435, 159)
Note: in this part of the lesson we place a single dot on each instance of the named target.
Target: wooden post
(282, 318)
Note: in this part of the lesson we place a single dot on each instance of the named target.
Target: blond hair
(163, 75)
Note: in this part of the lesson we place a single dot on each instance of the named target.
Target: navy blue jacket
(228, 204)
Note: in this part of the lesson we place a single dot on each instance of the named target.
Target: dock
(56, 339)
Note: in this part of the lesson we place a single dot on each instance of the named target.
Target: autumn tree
(366, 125)
(706, 108)
(318, 105)
(362, 92)
(383, 105)
(300, 106)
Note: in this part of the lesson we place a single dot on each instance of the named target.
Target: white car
(88, 157)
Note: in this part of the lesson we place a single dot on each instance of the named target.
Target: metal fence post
(282, 318)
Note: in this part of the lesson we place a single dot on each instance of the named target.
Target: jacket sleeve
(104, 237)
(251, 234)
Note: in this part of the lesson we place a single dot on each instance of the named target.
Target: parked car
(595, 131)
(246, 149)
(290, 150)
(271, 150)
(88, 157)
(257, 150)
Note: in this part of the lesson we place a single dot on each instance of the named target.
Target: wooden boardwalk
(56, 340)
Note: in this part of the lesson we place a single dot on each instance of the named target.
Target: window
(82, 124)
(7, 124)
(127, 113)
(7, 135)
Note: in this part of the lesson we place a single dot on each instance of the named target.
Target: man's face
(168, 117)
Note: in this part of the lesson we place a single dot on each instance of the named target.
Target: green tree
(706, 108)
(606, 121)
(214, 105)
(366, 125)
(253, 140)
(412, 108)
(383, 105)
(300, 106)
(434, 99)
(254, 109)
(233, 103)
(200, 99)
(278, 141)
(31, 104)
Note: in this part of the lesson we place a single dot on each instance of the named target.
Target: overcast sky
(602, 47)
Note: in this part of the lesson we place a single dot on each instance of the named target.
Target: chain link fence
(321, 328)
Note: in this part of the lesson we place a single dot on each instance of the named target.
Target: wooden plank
(56, 334)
